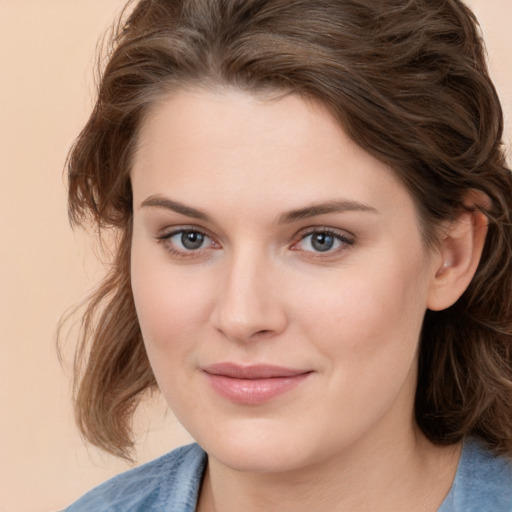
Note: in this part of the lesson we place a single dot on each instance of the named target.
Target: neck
(386, 474)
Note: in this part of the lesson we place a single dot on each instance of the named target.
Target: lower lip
(254, 391)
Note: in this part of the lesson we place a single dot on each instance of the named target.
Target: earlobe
(460, 249)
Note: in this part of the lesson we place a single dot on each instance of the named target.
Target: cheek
(169, 309)
(367, 310)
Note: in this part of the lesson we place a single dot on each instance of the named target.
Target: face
(280, 279)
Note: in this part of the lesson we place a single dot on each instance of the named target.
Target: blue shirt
(483, 483)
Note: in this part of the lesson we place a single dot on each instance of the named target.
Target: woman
(313, 257)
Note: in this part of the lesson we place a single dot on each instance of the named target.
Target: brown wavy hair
(407, 80)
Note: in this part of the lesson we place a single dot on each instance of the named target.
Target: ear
(460, 248)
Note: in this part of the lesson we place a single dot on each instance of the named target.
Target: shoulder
(483, 482)
(170, 482)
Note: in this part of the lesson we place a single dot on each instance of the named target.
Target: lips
(253, 385)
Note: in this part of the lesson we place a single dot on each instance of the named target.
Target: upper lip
(257, 371)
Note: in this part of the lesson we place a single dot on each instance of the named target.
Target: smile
(253, 385)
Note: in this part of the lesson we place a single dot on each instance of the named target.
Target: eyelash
(343, 240)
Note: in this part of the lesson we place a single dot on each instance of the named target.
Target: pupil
(322, 242)
(192, 240)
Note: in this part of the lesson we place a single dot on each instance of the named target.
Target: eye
(185, 242)
(323, 241)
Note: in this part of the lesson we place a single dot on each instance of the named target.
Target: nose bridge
(248, 302)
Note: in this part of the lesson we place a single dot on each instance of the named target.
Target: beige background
(47, 52)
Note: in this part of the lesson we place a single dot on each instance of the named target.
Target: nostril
(264, 333)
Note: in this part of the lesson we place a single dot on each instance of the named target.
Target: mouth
(255, 384)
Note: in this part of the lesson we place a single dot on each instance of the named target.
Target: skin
(258, 291)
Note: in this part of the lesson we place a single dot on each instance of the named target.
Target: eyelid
(339, 233)
(177, 228)
(169, 231)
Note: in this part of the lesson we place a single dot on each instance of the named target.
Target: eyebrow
(175, 206)
(333, 206)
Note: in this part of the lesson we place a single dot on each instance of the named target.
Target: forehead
(233, 148)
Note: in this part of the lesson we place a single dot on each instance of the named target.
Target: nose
(250, 304)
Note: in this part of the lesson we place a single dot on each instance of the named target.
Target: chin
(257, 448)
(253, 458)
